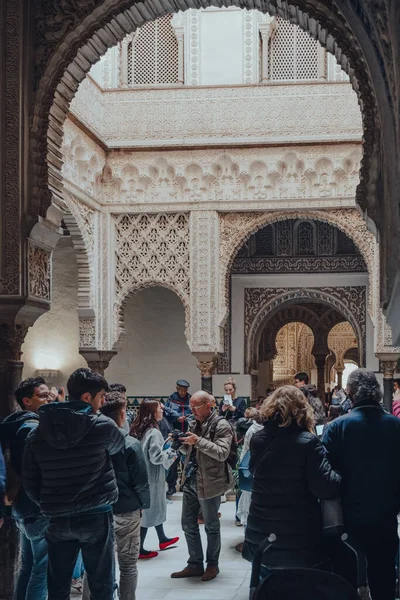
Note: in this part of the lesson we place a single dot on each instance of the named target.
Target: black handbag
(332, 516)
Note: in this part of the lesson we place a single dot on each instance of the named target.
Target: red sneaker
(165, 545)
(149, 555)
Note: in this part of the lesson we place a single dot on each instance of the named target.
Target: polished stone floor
(155, 582)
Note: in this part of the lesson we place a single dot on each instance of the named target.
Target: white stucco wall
(221, 46)
(53, 341)
(154, 353)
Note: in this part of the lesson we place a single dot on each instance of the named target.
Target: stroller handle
(257, 560)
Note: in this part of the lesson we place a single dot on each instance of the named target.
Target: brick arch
(76, 37)
(236, 229)
(280, 301)
(121, 301)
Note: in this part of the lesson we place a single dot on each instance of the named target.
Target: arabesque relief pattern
(236, 228)
(260, 302)
(150, 249)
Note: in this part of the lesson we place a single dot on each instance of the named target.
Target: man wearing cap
(176, 410)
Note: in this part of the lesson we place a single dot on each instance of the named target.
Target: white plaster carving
(204, 331)
(150, 249)
(181, 116)
(250, 60)
(265, 175)
(87, 333)
(84, 160)
(192, 48)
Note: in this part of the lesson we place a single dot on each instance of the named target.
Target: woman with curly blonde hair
(290, 475)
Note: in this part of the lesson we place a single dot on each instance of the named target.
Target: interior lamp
(47, 365)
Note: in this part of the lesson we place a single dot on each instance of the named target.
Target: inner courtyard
(198, 192)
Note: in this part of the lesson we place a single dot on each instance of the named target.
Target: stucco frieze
(264, 175)
(229, 115)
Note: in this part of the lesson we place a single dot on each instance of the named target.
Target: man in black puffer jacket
(67, 470)
(134, 495)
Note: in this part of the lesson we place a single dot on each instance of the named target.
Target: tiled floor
(155, 582)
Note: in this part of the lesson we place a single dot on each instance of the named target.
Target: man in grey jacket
(207, 477)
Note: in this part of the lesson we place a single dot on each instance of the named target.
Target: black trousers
(94, 535)
(172, 475)
(379, 544)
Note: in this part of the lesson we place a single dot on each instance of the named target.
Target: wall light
(47, 373)
(47, 365)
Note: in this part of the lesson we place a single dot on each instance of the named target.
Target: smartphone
(227, 400)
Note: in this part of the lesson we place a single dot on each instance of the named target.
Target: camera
(176, 443)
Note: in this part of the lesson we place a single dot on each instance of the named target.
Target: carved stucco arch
(290, 313)
(77, 36)
(121, 301)
(236, 229)
(83, 246)
(277, 302)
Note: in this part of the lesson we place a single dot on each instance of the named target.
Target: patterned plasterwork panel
(264, 175)
(236, 228)
(261, 302)
(39, 271)
(84, 159)
(91, 111)
(228, 115)
(150, 249)
(324, 264)
(205, 335)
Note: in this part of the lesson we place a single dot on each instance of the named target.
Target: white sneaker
(76, 587)
(223, 498)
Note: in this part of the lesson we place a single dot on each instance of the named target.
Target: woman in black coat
(290, 476)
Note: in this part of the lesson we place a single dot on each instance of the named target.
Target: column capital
(98, 360)
(388, 364)
(207, 363)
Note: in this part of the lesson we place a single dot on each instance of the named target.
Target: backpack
(231, 461)
(13, 479)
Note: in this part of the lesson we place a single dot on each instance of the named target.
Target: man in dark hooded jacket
(31, 395)
(67, 470)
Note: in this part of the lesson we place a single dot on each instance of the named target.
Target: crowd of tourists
(84, 479)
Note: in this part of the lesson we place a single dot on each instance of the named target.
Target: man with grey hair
(207, 475)
(364, 448)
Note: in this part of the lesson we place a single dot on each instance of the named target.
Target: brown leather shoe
(210, 573)
(188, 572)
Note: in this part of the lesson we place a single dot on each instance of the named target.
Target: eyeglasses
(198, 406)
(44, 395)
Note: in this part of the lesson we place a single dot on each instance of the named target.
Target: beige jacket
(214, 475)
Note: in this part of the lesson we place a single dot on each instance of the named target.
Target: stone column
(321, 63)
(11, 340)
(98, 360)
(388, 364)
(320, 364)
(266, 30)
(181, 60)
(124, 63)
(206, 364)
(339, 377)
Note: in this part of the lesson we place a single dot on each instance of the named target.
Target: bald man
(207, 476)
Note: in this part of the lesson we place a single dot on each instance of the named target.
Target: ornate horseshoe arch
(262, 303)
(236, 228)
(120, 304)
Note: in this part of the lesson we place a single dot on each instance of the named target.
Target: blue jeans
(32, 575)
(79, 568)
(94, 535)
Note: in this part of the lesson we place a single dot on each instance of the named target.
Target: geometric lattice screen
(293, 54)
(153, 54)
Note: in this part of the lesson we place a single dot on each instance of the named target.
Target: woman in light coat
(158, 459)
